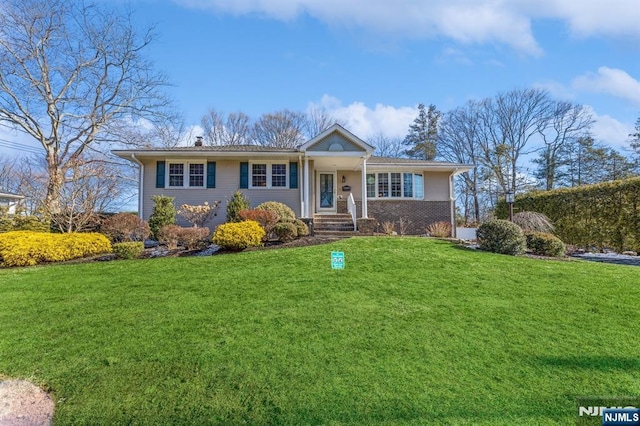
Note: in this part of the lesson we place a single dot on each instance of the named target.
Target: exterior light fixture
(510, 198)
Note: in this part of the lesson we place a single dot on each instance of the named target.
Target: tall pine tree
(422, 138)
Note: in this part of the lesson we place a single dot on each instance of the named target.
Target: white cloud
(506, 22)
(611, 81)
(611, 131)
(594, 17)
(366, 121)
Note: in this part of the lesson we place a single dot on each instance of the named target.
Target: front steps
(333, 224)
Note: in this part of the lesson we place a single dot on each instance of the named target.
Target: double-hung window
(395, 185)
(185, 174)
(269, 175)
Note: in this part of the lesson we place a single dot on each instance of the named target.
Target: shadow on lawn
(591, 362)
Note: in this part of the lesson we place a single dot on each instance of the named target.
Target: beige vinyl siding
(436, 186)
(354, 180)
(227, 182)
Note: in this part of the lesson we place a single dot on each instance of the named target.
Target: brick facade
(420, 213)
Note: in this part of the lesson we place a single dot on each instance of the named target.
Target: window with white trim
(269, 175)
(395, 185)
(185, 174)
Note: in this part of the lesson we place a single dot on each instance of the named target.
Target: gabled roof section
(337, 139)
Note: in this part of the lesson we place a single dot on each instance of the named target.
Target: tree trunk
(54, 186)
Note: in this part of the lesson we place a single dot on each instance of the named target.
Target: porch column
(301, 187)
(306, 186)
(364, 188)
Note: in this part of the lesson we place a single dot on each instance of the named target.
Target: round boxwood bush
(239, 235)
(501, 236)
(285, 231)
(303, 229)
(544, 244)
(284, 212)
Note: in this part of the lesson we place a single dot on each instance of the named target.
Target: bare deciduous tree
(387, 146)
(509, 121)
(70, 74)
(567, 123)
(318, 120)
(459, 142)
(281, 129)
(234, 129)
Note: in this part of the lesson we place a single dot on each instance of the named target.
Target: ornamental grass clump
(439, 229)
(239, 235)
(501, 236)
(26, 248)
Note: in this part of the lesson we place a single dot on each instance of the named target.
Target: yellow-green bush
(239, 235)
(544, 244)
(25, 248)
(128, 249)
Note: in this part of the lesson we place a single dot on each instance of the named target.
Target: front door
(326, 198)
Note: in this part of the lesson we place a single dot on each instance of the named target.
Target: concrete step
(344, 234)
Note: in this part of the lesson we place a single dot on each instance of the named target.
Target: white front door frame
(334, 191)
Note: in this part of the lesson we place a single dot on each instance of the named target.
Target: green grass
(413, 331)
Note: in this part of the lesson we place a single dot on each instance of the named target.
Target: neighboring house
(316, 179)
(10, 201)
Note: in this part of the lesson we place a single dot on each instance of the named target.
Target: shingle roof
(226, 148)
(393, 160)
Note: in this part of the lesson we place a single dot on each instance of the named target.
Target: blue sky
(370, 62)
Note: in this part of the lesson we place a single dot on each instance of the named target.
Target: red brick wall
(419, 213)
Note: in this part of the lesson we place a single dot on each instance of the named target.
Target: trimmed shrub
(533, 222)
(302, 228)
(164, 213)
(191, 238)
(285, 231)
(25, 248)
(124, 227)
(239, 235)
(169, 235)
(544, 244)
(284, 212)
(501, 236)
(439, 229)
(236, 204)
(128, 249)
(266, 218)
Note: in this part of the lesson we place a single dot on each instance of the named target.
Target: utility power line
(20, 146)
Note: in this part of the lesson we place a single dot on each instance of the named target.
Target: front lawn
(413, 331)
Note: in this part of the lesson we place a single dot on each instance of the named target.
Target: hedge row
(25, 248)
(602, 215)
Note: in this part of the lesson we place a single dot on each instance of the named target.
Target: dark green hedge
(602, 215)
